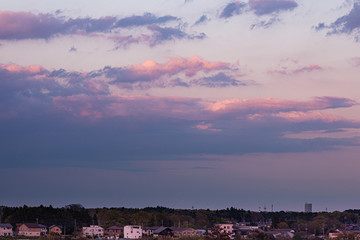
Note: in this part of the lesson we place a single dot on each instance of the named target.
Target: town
(75, 222)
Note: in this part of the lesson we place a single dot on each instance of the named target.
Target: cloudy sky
(204, 103)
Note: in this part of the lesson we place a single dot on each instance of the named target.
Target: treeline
(74, 217)
(70, 218)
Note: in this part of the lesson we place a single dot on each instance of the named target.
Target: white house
(6, 229)
(93, 231)
(132, 232)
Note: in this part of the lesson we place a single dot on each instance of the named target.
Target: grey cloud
(263, 7)
(347, 24)
(144, 20)
(72, 125)
(218, 80)
(258, 7)
(265, 23)
(73, 49)
(26, 25)
(231, 9)
(202, 19)
(169, 33)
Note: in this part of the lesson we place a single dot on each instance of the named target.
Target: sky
(182, 103)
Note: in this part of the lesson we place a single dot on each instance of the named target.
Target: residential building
(6, 229)
(31, 229)
(163, 231)
(281, 233)
(56, 229)
(184, 232)
(132, 232)
(308, 207)
(93, 231)
(149, 231)
(227, 229)
(115, 231)
(335, 235)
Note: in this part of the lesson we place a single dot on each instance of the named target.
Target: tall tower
(308, 207)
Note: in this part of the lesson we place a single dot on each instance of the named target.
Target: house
(163, 231)
(31, 229)
(132, 232)
(93, 231)
(149, 231)
(184, 232)
(281, 233)
(243, 230)
(6, 229)
(227, 228)
(56, 229)
(114, 231)
(335, 235)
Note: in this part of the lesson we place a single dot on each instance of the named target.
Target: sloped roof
(52, 226)
(161, 229)
(34, 225)
(176, 229)
(5, 225)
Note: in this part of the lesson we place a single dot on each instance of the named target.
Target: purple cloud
(168, 33)
(305, 69)
(263, 7)
(77, 118)
(265, 23)
(25, 25)
(259, 8)
(144, 20)
(218, 80)
(231, 9)
(73, 49)
(347, 24)
(202, 19)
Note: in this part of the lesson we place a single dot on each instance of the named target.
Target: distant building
(56, 229)
(93, 231)
(31, 229)
(308, 207)
(184, 232)
(115, 231)
(132, 232)
(149, 231)
(227, 229)
(6, 229)
(163, 232)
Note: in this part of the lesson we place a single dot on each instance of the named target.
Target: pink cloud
(307, 69)
(20, 25)
(356, 61)
(286, 71)
(270, 105)
(190, 66)
(15, 69)
(296, 116)
(207, 127)
(87, 94)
